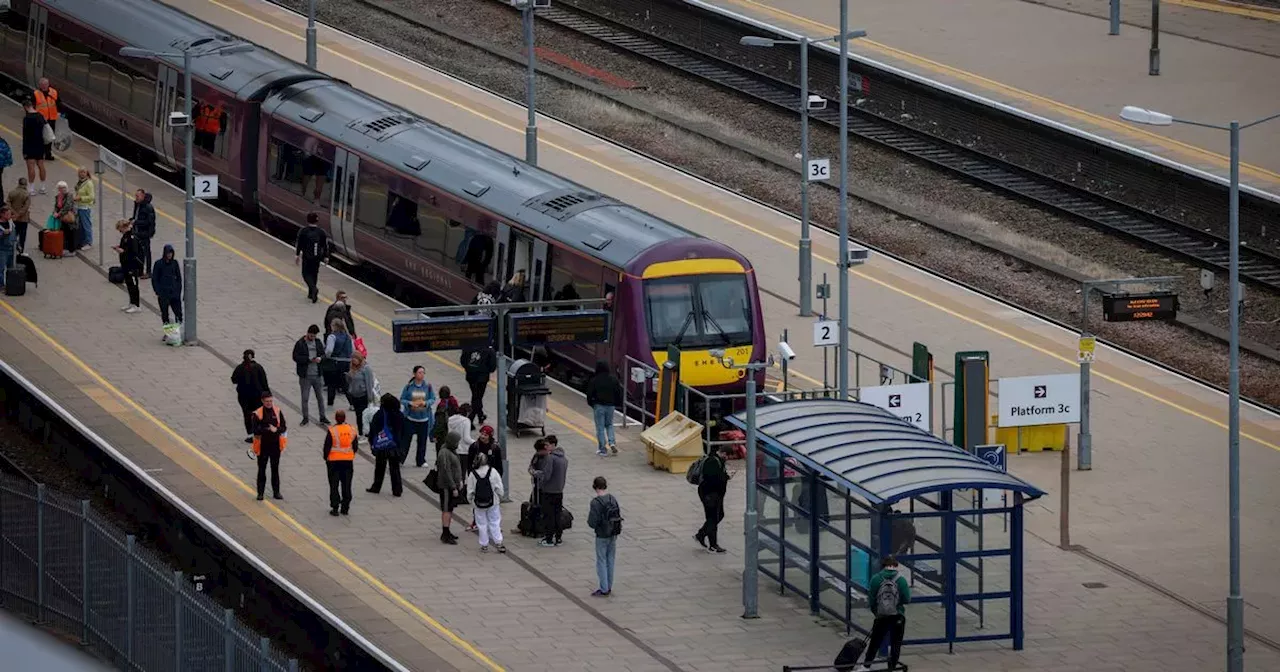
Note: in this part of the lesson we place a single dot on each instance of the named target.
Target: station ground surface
(1054, 58)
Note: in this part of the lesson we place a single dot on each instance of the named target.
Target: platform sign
(1085, 349)
(993, 455)
(1039, 400)
(1139, 307)
(111, 160)
(826, 333)
(441, 333)
(560, 327)
(819, 170)
(909, 402)
(206, 186)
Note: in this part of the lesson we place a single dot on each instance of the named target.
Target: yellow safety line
(280, 513)
(727, 218)
(973, 78)
(1221, 7)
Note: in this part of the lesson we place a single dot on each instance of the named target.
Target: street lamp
(531, 128)
(807, 102)
(1235, 602)
(184, 120)
(750, 516)
(311, 34)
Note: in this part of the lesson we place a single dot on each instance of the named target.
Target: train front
(697, 295)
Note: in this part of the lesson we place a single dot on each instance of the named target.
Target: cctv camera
(178, 119)
(785, 352)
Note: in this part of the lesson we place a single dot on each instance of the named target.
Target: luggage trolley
(527, 394)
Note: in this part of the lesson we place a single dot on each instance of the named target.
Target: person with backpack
(713, 483)
(385, 428)
(890, 594)
(605, 517)
(445, 409)
(479, 363)
(251, 381)
(484, 483)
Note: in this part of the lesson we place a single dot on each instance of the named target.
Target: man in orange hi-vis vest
(340, 445)
(208, 124)
(269, 441)
(46, 98)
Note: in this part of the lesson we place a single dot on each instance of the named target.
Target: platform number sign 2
(826, 333)
(206, 186)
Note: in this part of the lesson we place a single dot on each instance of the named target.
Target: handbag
(358, 344)
(69, 218)
(432, 481)
(48, 135)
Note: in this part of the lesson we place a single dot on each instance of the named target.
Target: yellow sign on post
(1084, 353)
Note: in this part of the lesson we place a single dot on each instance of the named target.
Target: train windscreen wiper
(684, 328)
(712, 321)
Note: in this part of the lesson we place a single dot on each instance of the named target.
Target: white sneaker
(42, 189)
(862, 668)
(126, 307)
(132, 309)
(31, 191)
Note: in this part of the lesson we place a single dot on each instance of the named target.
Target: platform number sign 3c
(819, 170)
(826, 333)
(206, 186)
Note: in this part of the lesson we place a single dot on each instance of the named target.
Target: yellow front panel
(699, 369)
(666, 269)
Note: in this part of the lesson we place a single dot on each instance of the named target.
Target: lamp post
(311, 34)
(1235, 602)
(189, 262)
(531, 127)
(750, 515)
(1153, 54)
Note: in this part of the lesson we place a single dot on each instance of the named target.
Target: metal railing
(62, 564)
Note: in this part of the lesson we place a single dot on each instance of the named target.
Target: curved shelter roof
(873, 453)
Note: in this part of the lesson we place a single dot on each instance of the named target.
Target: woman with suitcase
(130, 263)
(64, 209)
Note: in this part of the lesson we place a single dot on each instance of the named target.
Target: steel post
(102, 222)
(500, 433)
(751, 549)
(842, 259)
(531, 130)
(311, 34)
(264, 654)
(1085, 455)
(228, 640)
(1153, 57)
(806, 244)
(130, 597)
(84, 572)
(189, 263)
(1115, 18)
(177, 621)
(40, 553)
(1235, 602)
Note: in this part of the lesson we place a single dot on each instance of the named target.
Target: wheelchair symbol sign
(993, 455)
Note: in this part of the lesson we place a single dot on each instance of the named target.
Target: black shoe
(259, 498)
(715, 549)
(333, 512)
(304, 422)
(346, 512)
(277, 496)
(701, 539)
(324, 422)
(447, 538)
(371, 490)
(248, 439)
(396, 494)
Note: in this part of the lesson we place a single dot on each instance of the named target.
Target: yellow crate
(1032, 439)
(673, 444)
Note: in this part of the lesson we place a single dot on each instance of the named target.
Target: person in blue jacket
(166, 280)
(417, 398)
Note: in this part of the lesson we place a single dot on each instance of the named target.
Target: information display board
(441, 333)
(560, 327)
(1139, 307)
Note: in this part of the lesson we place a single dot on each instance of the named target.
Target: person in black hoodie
(251, 381)
(604, 396)
(390, 418)
(166, 280)
(711, 490)
(130, 263)
(311, 251)
(144, 227)
(479, 363)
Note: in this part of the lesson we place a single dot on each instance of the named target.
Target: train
(395, 191)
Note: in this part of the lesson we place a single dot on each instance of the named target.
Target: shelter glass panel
(982, 532)
(983, 618)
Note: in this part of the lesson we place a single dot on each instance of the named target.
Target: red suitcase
(52, 243)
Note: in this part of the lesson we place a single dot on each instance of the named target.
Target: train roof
(560, 209)
(157, 27)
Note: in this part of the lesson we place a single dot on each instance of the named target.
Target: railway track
(1202, 248)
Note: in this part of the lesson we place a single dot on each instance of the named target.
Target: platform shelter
(881, 486)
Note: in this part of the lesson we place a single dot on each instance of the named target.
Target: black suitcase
(115, 275)
(849, 655)
(15, 282)
(530, 524)
(27, 264)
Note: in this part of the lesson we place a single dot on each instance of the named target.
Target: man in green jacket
(888, 595)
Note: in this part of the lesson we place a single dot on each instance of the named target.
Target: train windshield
(698, 311)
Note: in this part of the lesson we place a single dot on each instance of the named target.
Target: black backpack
(483, 496)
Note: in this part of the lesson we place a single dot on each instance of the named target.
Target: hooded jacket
(144, 218)
(887, 574)
(555, 469)
(449, 465)
(166, 274)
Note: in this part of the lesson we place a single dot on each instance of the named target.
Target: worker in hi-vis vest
(340, 445)
(269, 441)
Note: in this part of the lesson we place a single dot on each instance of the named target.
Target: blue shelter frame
(842, 484)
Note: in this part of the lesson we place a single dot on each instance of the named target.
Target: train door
(166, 101)
(37, 37)
(501, 248)
(538, 271)
(342, 211)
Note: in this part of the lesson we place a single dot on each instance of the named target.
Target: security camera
(785, 352)
(817, 103)
(718, 353)
(178, 119)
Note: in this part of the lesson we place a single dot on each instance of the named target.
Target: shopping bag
(359, 346)
(53, 223)
(62, 137)
(173, 334)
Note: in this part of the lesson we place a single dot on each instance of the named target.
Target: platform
(531, 613)
(1055, 59)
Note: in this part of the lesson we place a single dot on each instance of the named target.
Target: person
(251, 381)
(384, 430)
(477, 257)
(460, 422)
(144, 226)
(604, 396)
(479, 363)
(166, 282)
(310, 251)
(485, 444)
(19, 202)
(449, 475)
(6, 157)
(447, 407)
(551, 475)
(46, 103)
(484, 484)
(85, 198)
(362, 386)
(605, 518)
(338, 349)
(489, 295)
(130, 263)
(33, 147)
(209, 122)
(64, 208)
(890, 596)
(514, 292)
(307, 355)
(417, 398)
(711, 491)
(341, 443)
(8, 240)
(339, 310)
(269, 442)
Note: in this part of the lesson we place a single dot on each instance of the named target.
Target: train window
(698, 311)
(724, 302)
(211, 127)
(144, 98)
(475, 253)
(100, 79)
(55, 64)
(670, 312)
(371, 208)
(566, 287)
(78, 70)
(122, 90)
(303, 173)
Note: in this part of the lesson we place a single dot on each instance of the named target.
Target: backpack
(612, 520)
(694, 474)
(887, 597)
(483, 496)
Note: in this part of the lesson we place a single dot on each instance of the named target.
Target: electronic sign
(560, 327)
(1139, 307)
(441, 333)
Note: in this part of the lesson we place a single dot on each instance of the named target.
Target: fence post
(129, 542)
(84, 571)
(264, 654)
(293, 665)
(3, 541)
(177, 620)
(40, 553)
(228, 647)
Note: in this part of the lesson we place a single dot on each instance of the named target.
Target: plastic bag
(367, 416)
(173, 334)
(63, 137)
(360, 347)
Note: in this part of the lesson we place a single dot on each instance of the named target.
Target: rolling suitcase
(52, 243)
(15, 282)
(27, 264)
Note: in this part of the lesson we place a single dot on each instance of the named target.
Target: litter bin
(527, 394)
